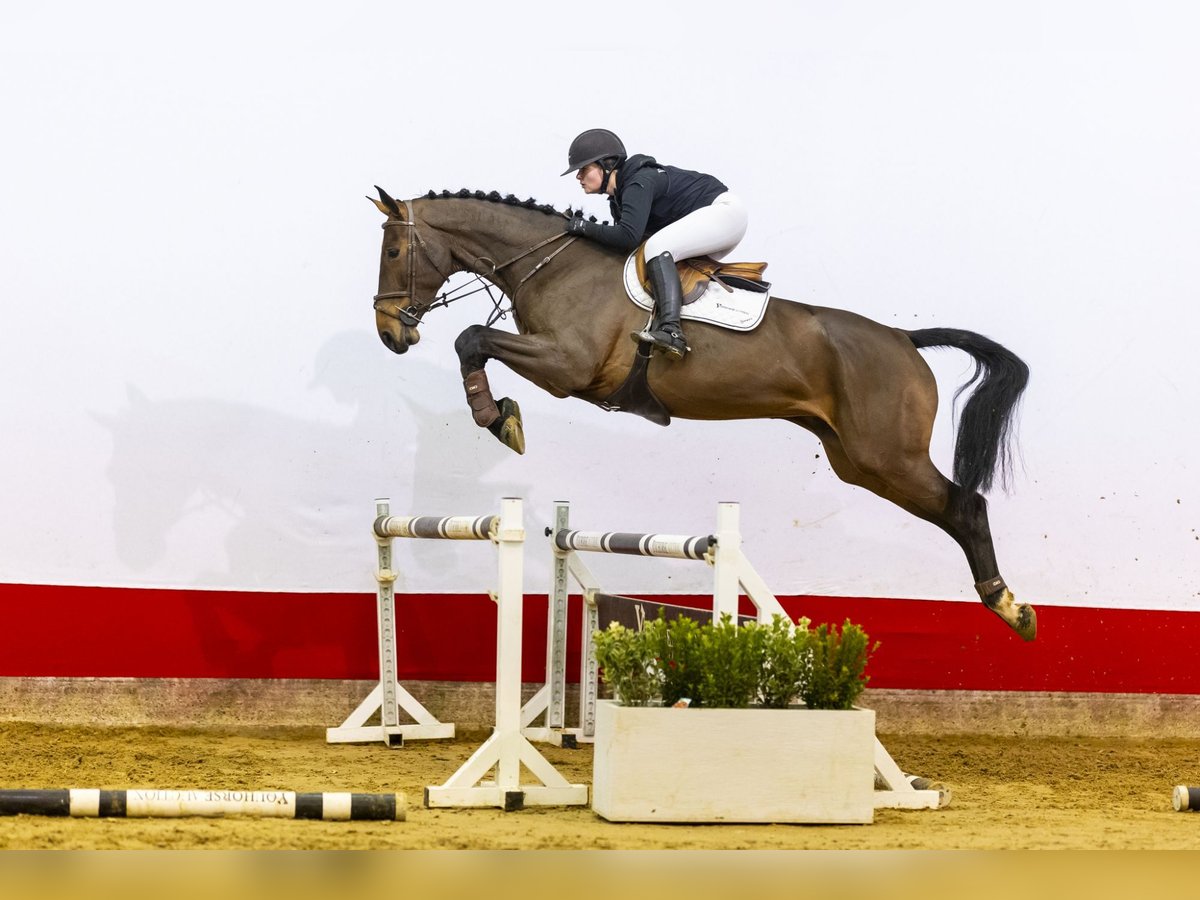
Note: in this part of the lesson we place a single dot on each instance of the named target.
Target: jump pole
(87, 802)
(732, 573)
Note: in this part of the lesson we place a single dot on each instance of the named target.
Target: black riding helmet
(592, 146)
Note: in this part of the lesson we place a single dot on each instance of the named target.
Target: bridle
(405, 315)
(412, 314)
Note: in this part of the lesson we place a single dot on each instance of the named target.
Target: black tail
(985, 425)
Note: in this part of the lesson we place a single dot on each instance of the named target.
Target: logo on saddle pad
(713, 292)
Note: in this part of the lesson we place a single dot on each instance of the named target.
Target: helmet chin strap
(608, 173)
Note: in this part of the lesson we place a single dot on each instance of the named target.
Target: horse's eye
(393, 253)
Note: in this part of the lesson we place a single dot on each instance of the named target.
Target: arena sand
(1008, 793)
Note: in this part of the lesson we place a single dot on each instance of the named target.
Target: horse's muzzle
(408, 337)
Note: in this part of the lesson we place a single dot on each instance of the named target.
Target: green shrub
(678, 646)
(839, 661)
(723, 665)
(730, 660)
(786, 661)
(629, 662)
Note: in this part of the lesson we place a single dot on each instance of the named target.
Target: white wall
(194, 396)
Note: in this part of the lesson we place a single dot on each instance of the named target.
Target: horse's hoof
(1026, 625)
(508, 429)
(1021, 617)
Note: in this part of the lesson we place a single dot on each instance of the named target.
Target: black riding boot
(667, 332)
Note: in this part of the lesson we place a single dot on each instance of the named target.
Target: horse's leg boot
(667, 332)
(479, 397)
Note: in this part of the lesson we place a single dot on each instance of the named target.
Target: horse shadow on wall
(216, 494)
(275, 495)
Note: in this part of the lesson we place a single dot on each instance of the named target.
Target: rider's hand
(577, 226)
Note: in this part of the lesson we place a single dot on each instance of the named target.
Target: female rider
(683, 213)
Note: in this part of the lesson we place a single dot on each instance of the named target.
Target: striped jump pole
(670, 546)
(86, 802)
(1185, 798)
(452, 528)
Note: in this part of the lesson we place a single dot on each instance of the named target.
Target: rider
(683, 213)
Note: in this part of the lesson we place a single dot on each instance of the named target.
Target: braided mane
(508, 200)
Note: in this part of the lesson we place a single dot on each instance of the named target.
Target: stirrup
(672, 343)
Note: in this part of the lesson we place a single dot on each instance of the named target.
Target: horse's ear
(386, 204)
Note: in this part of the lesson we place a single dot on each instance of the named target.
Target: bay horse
(861, 387)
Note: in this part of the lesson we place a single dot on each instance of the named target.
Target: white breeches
(711, 231)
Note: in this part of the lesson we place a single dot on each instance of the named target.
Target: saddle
(696, 273)
(635, 395)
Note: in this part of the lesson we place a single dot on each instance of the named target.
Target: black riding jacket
(649, 197)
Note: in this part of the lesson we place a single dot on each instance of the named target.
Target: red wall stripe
(936, 645)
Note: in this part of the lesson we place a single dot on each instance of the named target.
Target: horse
(861, 387)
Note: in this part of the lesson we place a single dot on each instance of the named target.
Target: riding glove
(578, 226)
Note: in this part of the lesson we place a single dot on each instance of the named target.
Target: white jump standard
(507, 749)
(389, 697)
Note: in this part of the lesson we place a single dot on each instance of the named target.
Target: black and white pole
(671, 546)
(87, 802)
(1185, 798)
(451, 528)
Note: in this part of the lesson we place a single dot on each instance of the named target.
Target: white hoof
(1020, 617)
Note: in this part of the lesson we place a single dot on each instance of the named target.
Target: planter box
(734, 765)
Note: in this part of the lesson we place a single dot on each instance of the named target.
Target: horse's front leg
(531, 356)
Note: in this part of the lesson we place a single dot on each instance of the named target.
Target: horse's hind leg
(914, 484)
(966, 520)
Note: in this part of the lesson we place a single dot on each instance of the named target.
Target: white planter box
(734, 765)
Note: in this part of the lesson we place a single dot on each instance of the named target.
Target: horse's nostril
(396, 345)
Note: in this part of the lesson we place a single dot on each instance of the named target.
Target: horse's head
(408, 276)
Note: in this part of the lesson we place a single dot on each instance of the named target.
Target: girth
(635, 395)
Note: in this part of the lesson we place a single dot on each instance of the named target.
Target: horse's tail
(985, 426)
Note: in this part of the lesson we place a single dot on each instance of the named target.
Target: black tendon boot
(667, 332)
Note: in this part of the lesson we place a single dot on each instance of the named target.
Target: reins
(413, 314)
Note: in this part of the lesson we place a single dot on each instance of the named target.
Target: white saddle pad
(734, 308)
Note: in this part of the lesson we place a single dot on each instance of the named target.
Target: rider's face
(590, 178)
